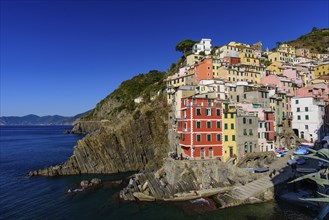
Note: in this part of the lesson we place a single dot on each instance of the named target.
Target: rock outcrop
(130, 142)
(178, 180)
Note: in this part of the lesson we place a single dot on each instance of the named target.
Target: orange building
(200, 128)
(203, 70)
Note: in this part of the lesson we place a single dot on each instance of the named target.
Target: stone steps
(250, 189)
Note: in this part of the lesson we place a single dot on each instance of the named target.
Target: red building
(233, 60)
(269, 125)
(200, 128)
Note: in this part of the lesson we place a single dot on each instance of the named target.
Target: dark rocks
(94, 183)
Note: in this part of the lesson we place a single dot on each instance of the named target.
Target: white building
(216, 87)
(203, 45)
(308, 115)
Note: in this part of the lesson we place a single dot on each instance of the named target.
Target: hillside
(37, 120)
(122, 99)
(122, 135)
(317, 41)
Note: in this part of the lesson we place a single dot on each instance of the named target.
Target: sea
(26, 148)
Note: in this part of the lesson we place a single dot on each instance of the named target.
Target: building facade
(200, 128)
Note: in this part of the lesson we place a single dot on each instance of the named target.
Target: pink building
(320, 90)
(283, 84)
(292, 74)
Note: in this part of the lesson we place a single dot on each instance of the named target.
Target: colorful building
(321, 70)
(203, 70)
(230, 132)
(200, 128)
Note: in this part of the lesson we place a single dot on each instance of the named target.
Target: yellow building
(281, 57)
(248, 56)
(285, 48)
(193, 59)
(321, 70)
(275, 68)
(240, 73)
(229, 132)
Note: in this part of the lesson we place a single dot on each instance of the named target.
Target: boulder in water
(95, 181)
(84, 184)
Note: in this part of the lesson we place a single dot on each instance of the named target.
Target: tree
(185, 45)
(314, 29)
(202, 53)
(278, 43)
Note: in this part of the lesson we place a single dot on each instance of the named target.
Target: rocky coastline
(130, 142)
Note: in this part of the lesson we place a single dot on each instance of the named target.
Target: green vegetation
(142, 85)
(317, 41)
(202, 53)
(185, 45)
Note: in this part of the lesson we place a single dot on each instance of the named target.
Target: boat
(300, 161)
(301, 151)
(261, 170)
(306, 170)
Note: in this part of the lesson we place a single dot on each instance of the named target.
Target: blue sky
(62, 57)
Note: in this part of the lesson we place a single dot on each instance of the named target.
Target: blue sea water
(26, 148)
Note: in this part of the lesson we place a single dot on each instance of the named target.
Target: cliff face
(118, 140)
(138, 141)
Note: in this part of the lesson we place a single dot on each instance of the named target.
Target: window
(306, 109)
(198, 111)
(218, 112)
(306, 127)
(217, 124)
(250, 131)
(225, 126)
(225, 115)
(198, 124)
(208, 137)
(244, 96)
(198, 137)
(208, 124)
(226, 137)
(218, 137)
(245, 148)
(306, 117)
(208, 112)
(297, 101)
(233, 137)
(250, 121)
(298, 117)
(298, 109)
(244, 120)
(260, 125)
(232, 115)
(244, 131)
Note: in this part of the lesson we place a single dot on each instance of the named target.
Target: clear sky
(62, 57)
